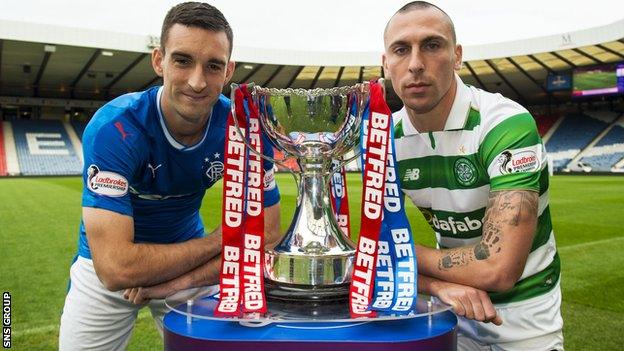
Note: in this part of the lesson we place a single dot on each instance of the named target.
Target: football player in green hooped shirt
(473, 163)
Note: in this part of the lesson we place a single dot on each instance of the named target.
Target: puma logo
(153, 169)
(121, 130)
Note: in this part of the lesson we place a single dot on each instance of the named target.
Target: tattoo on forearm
(481, 251)
(456, 257)
(505, 208)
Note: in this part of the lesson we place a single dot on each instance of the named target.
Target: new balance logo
(456, 225)
(411, 174)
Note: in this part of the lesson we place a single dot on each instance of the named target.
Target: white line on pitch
(589, 243)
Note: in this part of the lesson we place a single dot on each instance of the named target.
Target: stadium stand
(607, 152)
(576, 132)
(3, 163)
(44, 148)
(545, 122)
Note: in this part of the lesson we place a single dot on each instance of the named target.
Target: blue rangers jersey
(135, 167)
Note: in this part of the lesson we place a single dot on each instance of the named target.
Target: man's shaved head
(422, 5)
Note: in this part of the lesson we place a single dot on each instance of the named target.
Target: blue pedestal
(435, 332)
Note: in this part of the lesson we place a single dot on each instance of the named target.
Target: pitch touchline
(589, 243)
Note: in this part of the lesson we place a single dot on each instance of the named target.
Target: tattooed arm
(467, 301)
(497, 261)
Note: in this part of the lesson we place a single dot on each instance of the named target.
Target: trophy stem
(314, 258)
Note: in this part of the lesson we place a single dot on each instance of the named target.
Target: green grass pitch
(39, 220)
(596, 80)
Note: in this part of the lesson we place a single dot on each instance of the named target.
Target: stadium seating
(607, 152)
(574, 133)
(602, 163)
(3, 164)
(545, 122)
(615, 136)
(44, 148)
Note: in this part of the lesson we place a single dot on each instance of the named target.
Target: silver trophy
(314, 259)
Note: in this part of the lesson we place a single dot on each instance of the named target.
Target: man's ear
(458, 57)
(384, 66)
(157, 61)
(229, 71)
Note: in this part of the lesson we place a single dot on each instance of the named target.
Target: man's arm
(120, 263)
(206, 274)
(272, 228)
(497, 261)
(467, 301)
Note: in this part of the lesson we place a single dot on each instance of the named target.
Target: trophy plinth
(314, 259)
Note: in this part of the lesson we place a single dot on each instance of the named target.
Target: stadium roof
(54, 59)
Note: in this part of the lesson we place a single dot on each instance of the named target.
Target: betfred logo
(516, 161)
(106, 183)
(456, 225)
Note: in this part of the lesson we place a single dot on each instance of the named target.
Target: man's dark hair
(422, 5)
(196, 14)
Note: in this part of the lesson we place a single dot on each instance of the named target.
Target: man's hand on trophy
(468, 302)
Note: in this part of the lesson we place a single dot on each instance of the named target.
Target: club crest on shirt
(515, 161)
(214, 171)
(465, 172)
(106, 183)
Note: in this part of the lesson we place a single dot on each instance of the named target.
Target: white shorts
(95, 318)
(533, 324)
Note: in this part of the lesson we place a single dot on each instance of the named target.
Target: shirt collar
(170, 138)
(457, 116)
(461, 107)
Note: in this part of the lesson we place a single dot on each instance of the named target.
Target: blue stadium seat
(607, 152)
(603, 163)
(614, 136)
(574, 133)
(44, 148)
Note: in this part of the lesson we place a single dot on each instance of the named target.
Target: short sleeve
(111, 158)
(513, 154)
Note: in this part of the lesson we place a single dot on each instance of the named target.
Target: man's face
(195, 66)
(421, 57)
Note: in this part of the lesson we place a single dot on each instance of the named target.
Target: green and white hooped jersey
(488, 143)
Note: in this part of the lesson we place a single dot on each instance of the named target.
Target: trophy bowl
(314, 259)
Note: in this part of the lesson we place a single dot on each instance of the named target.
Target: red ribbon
(242, 255)
(252, 279)
(377, 140)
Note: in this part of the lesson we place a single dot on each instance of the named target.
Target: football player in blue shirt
(149, 158)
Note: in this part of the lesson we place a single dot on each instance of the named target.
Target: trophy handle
(342, 162)
(250, 86)
(280, 162)
(358, 151)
